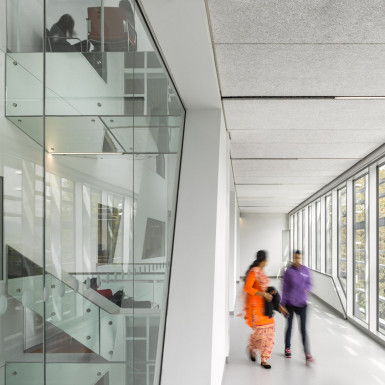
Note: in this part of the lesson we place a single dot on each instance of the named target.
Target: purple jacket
(296, 284)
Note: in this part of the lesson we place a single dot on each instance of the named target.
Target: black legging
(301, 311)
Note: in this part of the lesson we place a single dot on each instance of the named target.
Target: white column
(195, 324)
(78, 196)
(349, 247)
(335, 233)
(313, 235)
(373, 264)
(305, 236)
(3, 29)
(233, 252)
(323, 235)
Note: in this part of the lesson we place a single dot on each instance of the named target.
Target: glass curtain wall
(318, 235)
(328, 233)
(360, 257)
(90, 94)
(310, 237)
(342, 234)
(381, 248)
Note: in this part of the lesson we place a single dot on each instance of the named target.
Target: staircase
(81, 313)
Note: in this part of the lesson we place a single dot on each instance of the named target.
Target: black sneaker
(287, 353)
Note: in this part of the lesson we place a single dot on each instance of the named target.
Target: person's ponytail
(260, 257)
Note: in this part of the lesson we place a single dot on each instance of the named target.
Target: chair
(61, 44)
(119, 35)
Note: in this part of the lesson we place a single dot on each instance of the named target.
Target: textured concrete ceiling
(280, 64)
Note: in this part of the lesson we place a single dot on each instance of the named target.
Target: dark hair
(260, 257)
(66, 24)
(127, 5)
(93, 283)
(297, 252)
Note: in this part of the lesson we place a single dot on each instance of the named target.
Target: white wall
(324, 287)
(262, 232)
(233, 247)
(220, 342)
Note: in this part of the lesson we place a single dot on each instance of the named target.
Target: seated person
(94, 285)
(62, 30)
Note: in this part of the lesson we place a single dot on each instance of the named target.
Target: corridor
(343, 354)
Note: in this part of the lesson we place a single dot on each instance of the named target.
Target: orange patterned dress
(262, 338)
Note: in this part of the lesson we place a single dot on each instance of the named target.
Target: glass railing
(125, 333)
(74, 88)
(31, 373)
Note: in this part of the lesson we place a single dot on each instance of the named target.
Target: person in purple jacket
(296, 284)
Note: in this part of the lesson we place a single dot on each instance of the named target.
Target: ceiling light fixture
(86, 153)
(359, 97)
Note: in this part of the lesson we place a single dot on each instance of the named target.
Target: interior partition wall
(89, 196)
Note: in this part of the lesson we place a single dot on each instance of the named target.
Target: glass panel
(65, 373)
(342, 233)
(381, 249)
(360, 237)
(310, 259)
(318, 235)
(328, 234)
(21, 195)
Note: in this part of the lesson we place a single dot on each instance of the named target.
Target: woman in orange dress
(262, 338)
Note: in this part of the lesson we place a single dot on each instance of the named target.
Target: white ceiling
(280, 64)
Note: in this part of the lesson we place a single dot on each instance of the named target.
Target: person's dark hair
(66, 24)
(94, 283)
(297, 252)
(260, 257)
(127, 5)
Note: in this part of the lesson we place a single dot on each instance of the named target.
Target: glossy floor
(343, 354)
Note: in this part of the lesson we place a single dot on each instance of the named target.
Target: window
(310, 237)
(109, 221)
(342, 271)
(318, 235)
(328, 233)
(381, 249)
(360, 255)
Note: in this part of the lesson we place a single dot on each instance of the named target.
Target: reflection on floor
(343, 355)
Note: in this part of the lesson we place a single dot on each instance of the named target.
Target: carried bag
(117, 297)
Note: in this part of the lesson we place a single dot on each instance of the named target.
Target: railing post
(102, 24)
